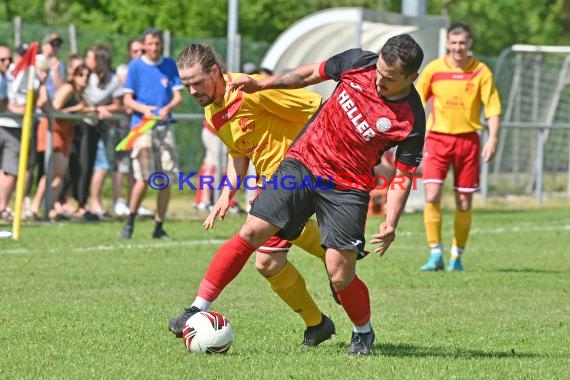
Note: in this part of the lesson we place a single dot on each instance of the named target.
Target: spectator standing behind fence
(17, 55)
(63, 205)
(135, 48)
(103, 93)
(122, 159)
(455, 86)
(153, 89)
(51, 44)
(10, 133)
(5, 60)
(68, 98)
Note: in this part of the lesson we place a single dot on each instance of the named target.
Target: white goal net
(533, 153)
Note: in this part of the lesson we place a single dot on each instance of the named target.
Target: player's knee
(340, 281)
(340, 277)
(256, 231)
(250, 234)
(269, 265)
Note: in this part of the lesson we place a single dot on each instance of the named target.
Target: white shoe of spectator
(145, 212)
(121, 209)
(203, 206)
(27, 212)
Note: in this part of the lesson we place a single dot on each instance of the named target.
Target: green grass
(78, 303)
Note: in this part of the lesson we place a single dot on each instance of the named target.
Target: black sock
(158, 226)
(131, 219)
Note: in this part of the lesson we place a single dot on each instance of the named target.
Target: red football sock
(224, 267)
(356, 302)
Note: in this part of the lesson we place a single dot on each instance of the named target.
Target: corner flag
(137, 131)
(26, 68)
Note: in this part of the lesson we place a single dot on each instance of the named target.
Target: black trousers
(81, 161)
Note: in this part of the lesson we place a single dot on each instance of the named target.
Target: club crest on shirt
(383, 124)
(164, 82)
(470, 87)
(246, 124)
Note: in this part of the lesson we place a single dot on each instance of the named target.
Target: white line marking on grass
(103, 248)
(514, 229)
(523, 228)
(528, 227)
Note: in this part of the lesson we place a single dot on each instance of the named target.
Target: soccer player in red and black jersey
(374, 108)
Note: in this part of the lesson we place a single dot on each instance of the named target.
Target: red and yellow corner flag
(137, 131)
(28, 60)
(25, 67)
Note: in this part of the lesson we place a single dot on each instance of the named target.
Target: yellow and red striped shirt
(455, 95)
(263, 125)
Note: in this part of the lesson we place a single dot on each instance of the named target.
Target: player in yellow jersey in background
(455, 86)
(257, 128)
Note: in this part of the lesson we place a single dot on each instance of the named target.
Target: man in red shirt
(328, 170)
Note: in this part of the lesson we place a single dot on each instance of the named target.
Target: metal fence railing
(182, 143)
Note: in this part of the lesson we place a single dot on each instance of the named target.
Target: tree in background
(499, 24)
(496, 24)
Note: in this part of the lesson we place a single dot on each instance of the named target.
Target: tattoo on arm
(290, 79)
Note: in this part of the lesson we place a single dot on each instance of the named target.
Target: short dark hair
(22, 48)
(152, 32)
(131, 42)
(202, 54)
(79, 69)
(405, 49)
(459, 28)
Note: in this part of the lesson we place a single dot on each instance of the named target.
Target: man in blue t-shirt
(152, 90)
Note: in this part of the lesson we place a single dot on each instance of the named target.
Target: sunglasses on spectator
(4, 59)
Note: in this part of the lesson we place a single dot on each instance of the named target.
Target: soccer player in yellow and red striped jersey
(454, 87)
(257, 128)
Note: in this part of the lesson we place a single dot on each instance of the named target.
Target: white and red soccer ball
(207, 332)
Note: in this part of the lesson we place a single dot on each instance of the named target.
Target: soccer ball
(207, 332)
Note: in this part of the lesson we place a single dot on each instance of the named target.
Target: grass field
(78, 303)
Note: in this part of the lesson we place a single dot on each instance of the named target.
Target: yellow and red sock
(310, 240)
(290, 286)
(432, 223)
(462, 228)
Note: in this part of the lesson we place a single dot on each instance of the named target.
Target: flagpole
(24, 150)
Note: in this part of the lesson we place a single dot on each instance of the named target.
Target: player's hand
(218, 211)
(244, 83)
(488, 150)
(384, 237)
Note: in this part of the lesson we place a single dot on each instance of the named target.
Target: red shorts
(460, 151)
(274, 243)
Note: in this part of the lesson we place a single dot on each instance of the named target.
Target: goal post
(533, 154)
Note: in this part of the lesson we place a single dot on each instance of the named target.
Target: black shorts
(294, 194)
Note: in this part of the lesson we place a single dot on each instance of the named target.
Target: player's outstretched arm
(302, 76)
(396, 201)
